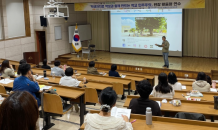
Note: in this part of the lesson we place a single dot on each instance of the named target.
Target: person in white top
(104, 120)
(172, 79)
(163, 89)
(68, 80)
(201, 84)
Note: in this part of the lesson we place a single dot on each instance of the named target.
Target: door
(41, 45)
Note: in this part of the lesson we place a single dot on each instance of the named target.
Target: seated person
(57, 69)
(139, 105)
(209, 80)
(113, 71)
(19, 109)
(104, 120)
(91, 69)
(23, 61)
(6, 69)
(23, 83)
(45, 64)
(172, 79)
(163, 89)
(201, 83)
(68, 80)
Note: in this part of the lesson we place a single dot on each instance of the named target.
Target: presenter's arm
(160, 45)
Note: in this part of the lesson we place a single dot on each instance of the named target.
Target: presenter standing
(165, 49)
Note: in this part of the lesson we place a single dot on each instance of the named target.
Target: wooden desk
(165, 123)
(129, 75)
(206, 108)
(90, 84)
(67, 92)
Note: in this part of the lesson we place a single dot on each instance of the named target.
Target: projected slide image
(144, 26)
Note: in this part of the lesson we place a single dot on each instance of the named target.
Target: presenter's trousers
(165, 56)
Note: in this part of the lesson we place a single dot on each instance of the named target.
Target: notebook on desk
(118, 112)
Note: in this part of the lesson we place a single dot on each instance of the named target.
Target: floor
(177, 63)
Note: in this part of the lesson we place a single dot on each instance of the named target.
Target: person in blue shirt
(113, 71)
(23, 83)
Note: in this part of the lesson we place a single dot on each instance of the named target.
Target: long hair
(19, 111)
(209, 80)
(163, 85)
(5, 65)
(172, 79)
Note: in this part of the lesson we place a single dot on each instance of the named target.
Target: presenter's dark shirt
(114, 73)
(138, 106)
(46, 67)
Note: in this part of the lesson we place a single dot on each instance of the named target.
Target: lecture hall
(108, 64)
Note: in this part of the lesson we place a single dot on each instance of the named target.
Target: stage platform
(176, 63)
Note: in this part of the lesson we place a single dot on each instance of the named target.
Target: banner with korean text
(169, 4)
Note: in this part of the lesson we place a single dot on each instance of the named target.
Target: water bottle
(84, 80)
(148, 116)
(44, 73)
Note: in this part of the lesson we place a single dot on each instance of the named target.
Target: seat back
(133, 87)
(191, 116)
(214, 74)
(118, 88)
(91, 95)
(2, 89)
(52, 103)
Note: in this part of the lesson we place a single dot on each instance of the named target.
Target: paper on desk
(45, 87)
(39, 77)
(183, 87)
(6, 81)
(120, 111)
(213, 89)
(41, 86)
(123, 76)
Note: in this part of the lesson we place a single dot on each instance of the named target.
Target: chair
(133, 87)
(92, 49)
(88, 49)
(118, 88)
(2, 89)
(214, 74)
(191, 116)
(52, 106)
(91, 95)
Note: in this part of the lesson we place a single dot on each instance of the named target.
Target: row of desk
(165, 123)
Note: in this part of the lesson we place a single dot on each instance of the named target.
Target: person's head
(201, 76)
(209, 80)
(144, 88)
(172, 79)
(23, 61)
(107, 99)
(24, 69)
(91, 64)
(57, 63)
(45, 62)
(113, 67)
(5, 65)
(69, 71)
(163, 38)
(19, 111)
(163, 85)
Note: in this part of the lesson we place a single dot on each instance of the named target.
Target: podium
(31, 57)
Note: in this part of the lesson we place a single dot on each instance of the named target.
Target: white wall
(13, 49)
